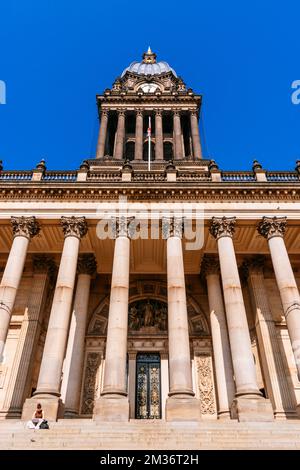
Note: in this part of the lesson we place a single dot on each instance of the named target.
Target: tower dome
(149, 66)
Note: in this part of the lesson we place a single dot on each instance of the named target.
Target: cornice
(200, 191)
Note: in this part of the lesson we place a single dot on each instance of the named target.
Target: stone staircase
(85, 434)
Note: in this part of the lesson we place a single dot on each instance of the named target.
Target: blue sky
(57, 54)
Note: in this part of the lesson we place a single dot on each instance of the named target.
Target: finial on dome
(149, 57)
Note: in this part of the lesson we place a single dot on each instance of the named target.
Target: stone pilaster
(248, 404)
(48, 387)
(210, 269)
(274, 374)
(181, 404)
(73, 365)
(24, 228)
(102, 134)
(273, 229)
(113, 405)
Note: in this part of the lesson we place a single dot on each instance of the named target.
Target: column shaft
(102, 135)
(197, 151)
(24, 228)
(221, 348)
(288, 292)
(138, 149)
(273, 367)
(119, 147)
(273, 229)
(177, 136)
(54, 350)
(242, 357)
(115, 377)
(73, 369)
(179, 346)
(159, 149)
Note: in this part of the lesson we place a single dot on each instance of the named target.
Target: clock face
(149, 87)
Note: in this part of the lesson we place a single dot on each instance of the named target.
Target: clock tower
(149, 89)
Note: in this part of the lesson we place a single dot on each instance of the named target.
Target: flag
(149, 143)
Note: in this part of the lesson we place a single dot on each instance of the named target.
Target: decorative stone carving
(45, 264)
(74, 226)
(86, 264)
(205, 384)
(145, 314)
(222, 227)
(270, 227)
(89, 387)
(209, 265)
(172, 227)
(121, 226)
(25, 226)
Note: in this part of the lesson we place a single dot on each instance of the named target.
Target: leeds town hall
(150, 299)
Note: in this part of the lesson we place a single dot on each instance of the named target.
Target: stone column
(102, 134)
(73, 366)
(221, 349)
(177, 135)
(24, 228)
(273, 367)
(159, 146)
(119, 147)
(181, 404)
(249, 404)
(138, 148)
(48, 387)
(113, 405)
(197, 151)
(19, 385)
(273, 229)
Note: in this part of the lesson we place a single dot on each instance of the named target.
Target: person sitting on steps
(37, 418)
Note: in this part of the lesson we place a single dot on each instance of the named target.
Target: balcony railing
(67, 176)
(238, 176)
(11, 175)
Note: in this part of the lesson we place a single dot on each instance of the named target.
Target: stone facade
(112, 315)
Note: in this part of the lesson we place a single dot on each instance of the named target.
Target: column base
(183, 409)
(110, 408)
(224, 415)
(252, 408)
(52, 407)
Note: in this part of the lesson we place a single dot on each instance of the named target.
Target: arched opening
(129, 150)
(146, 151)
(168, 151)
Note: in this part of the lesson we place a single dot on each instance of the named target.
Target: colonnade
(237, 386)
(119, 144)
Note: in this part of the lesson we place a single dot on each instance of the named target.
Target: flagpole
(149, 143)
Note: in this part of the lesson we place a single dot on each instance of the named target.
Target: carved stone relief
(205, 384)
(90, 383)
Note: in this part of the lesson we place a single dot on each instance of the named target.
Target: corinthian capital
(25, 227)
(209, 265)
(74, 226)
(172, 227)
(222, 227)
(270, 227)
(121, 226)
(86, 264)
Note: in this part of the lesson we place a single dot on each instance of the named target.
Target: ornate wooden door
(148, 387)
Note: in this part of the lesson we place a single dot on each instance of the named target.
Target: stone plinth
(111, 409)
(252, 408)
(183, 409)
